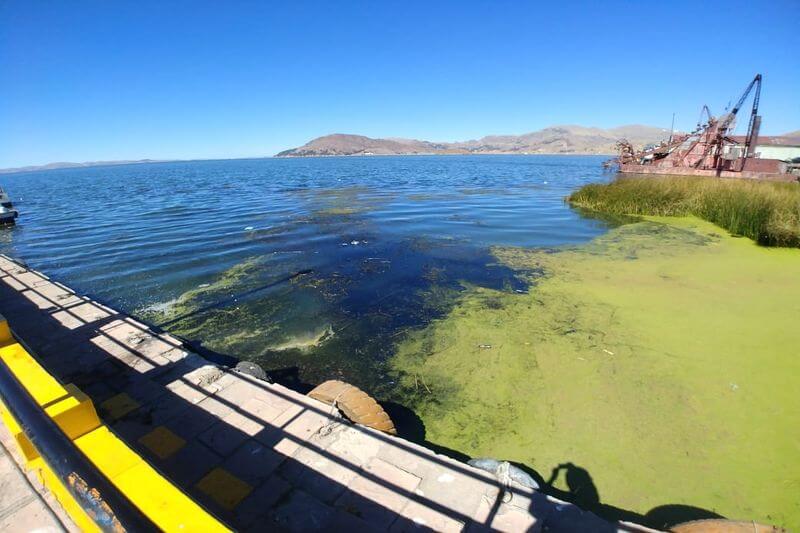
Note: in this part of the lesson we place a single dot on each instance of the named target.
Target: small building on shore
(774, 147)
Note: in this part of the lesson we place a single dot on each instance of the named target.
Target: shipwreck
(712, 149)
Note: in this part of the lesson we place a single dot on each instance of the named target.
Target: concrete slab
(379, 498)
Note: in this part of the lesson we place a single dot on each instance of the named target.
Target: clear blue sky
(100, 80)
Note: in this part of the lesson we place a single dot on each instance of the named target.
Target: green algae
(661, 357)
(193, 299)
(270, 319)
(339, 211)
(283, 323)
(330, 204)
(306, 340)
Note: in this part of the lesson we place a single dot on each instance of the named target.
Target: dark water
(345, 252)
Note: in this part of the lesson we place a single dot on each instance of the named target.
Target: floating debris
(280, 252)
(505, 472)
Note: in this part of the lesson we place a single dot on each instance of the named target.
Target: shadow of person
(581, 488)
(582, 491)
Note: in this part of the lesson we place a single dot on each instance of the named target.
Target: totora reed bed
(767, 212)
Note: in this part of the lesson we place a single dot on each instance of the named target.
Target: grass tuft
(767, 212)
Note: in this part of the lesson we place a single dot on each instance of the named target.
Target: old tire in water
(355, 404)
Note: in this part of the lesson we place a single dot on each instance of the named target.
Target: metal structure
(708, 150)
(98, 497)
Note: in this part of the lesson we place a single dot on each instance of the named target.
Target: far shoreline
(427, 154)
(78, 166)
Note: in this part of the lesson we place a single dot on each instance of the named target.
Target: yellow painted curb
(156, 497)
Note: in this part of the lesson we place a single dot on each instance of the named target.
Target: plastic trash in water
(505, 471)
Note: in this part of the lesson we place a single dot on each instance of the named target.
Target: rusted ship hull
(710, 150)
(756, 169)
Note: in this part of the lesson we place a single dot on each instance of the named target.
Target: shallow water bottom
(651, 370)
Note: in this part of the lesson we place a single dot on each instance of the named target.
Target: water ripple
(136, 235)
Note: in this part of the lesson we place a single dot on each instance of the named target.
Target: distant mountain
(795, 133)
(52, 166)
(342, 144)
(552, 140)
(567, 139)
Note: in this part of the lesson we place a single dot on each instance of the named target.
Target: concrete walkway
(25, 506)
(258, 455)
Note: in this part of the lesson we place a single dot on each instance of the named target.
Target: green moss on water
(306, 340)
(662, 357)
(224, 320)
(339, 211)
(193, 299)
(340, 204)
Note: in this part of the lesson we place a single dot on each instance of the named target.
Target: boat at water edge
(5, 200)
(7, 214)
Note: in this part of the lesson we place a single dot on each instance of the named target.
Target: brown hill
(343, 144)
(552, 140)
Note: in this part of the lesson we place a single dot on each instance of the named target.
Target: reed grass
(767, 212)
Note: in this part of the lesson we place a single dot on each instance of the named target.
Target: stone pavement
(24, 504)
(258, 455)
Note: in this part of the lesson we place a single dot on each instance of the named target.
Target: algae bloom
(661, 358)
(306, 340)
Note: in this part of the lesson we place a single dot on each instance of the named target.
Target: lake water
(316, 266)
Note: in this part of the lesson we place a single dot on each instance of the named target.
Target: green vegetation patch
(767, 212)
(662, 358)
(224, 286)
(241, 312)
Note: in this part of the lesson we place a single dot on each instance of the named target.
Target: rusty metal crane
(709, 149)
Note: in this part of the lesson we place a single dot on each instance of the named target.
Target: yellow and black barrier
(101, 483)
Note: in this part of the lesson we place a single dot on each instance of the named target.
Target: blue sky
(102, 80)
